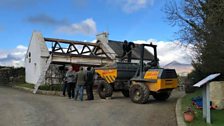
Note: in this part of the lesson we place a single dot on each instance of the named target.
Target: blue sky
(123, 19)
(133, 20)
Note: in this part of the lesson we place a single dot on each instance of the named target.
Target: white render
(39, 54)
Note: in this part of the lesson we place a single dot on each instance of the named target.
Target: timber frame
(76, 48)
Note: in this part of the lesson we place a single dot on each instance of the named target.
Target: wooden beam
(55, 54)
(88, 60)
(69, 50)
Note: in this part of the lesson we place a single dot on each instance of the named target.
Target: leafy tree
(201, 24)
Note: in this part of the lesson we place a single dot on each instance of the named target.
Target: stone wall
(55, 74)
(217, 94)
(11, 75)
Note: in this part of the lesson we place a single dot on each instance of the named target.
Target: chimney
(103, 37)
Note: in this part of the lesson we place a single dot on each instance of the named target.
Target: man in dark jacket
(81, 77)
(131, 45)
(89, 83)
(127, 50)
(65, 85)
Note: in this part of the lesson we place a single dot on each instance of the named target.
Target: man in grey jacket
(71, 81)
(81, 77)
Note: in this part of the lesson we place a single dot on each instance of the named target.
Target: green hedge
(56, 87)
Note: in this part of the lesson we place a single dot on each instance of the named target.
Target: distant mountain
(181, 69)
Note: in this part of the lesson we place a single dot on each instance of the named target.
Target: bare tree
(201, 24)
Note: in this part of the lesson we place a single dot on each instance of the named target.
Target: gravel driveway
(19, 108)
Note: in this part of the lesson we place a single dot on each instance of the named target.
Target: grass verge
(31, 86)
(57, 87)
(217, 116)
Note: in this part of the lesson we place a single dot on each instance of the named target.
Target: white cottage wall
(36, 57)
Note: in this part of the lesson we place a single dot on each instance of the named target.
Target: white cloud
(86, 27)
(171, 51)
(14, 57)
(130, 6)
(134, 5)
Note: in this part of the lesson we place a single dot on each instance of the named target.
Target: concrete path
(18, 108)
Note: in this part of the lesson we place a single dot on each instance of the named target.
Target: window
(29, 57)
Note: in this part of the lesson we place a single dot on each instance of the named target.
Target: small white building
(40, 58)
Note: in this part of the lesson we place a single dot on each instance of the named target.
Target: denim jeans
(79, 92)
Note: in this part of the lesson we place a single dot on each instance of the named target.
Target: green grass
(31, 86)
(42, 87)
(217, 116)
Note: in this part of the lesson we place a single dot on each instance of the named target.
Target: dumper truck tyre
(139, 93)
(162, 96)
(125, 92)
(105, 90)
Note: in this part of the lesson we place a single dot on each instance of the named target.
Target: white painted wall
(35, 62)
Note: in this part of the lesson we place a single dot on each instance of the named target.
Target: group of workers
(76, 82)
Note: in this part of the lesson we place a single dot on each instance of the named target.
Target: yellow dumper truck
(137, 80)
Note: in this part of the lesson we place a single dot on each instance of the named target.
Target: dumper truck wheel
(139, 93)
(125, 93)
(162, 96)
(105, 90)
